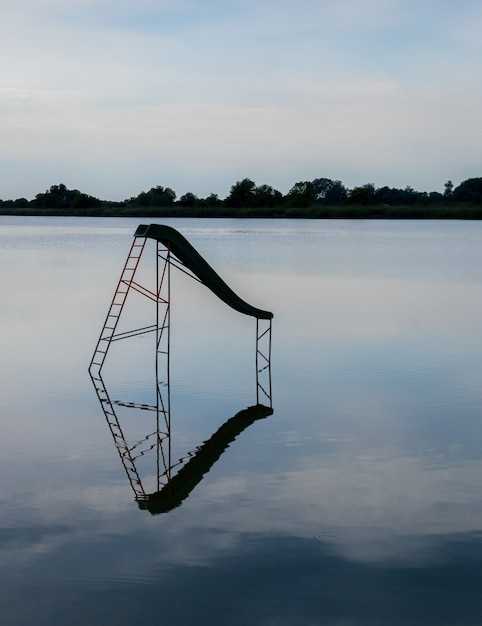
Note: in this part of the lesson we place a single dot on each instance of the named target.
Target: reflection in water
(171, 489)
(181, 485)
(359, 503)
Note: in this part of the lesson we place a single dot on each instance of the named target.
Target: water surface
(356, 502)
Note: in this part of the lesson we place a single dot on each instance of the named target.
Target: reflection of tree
(170, 489)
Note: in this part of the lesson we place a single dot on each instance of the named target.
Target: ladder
(107, 334)
(128, 453)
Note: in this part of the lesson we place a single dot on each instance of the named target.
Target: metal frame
(160, 439)
(263, 361)
(161, 295)
(163, 349)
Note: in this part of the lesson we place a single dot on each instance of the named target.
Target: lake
(357, 501)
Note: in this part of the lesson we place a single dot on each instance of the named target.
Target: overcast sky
(113, 97)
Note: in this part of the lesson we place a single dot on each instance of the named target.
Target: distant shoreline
(449, 211)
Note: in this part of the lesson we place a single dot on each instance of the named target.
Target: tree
(212, 200)
(388, 196)
(55, 197)
(449, 189)
(393, 196)
(413, 197)
(155, 197)
(59, 197)
(242, 194)
(469, 190)
(266, 196)
(83, 201)
(188, 199)
(329, 191)
(362, 195)
(302, 194)
(21, 203)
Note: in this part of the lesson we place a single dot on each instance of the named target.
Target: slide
(190, 257)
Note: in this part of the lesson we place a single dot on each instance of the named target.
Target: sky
(114, 97)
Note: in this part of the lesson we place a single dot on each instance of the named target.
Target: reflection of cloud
(282, 581)
(369, 307)
(373, 509)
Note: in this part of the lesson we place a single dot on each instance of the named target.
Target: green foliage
(156, 196)
(469, 190)
(320, 198)
(448, 189)
(242, 194)
(394, 197)
(320, 190)
(302, 194)
(188, 199)
(245, 194)
(212, 201)
(363, 195)
(21, 203)
(266, 196)
(58, 197)
(327, 191)
(16, 205)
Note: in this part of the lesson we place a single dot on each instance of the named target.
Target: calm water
(357, 502)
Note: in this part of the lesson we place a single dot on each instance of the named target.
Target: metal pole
(257, 361)
(169, 363)
(158, 449)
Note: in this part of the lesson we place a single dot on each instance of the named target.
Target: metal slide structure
(172, 250)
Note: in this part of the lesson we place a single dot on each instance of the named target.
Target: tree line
(247, 198)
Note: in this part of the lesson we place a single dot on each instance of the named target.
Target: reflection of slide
(162, 491)
(188, 255)
(180, 486)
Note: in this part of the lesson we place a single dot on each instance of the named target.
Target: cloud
(378, 91)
